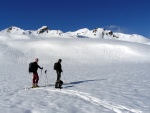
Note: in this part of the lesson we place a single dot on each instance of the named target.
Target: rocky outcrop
(42, 30)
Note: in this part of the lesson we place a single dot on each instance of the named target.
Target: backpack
(55, 66)
(59, 84)
(31, 66)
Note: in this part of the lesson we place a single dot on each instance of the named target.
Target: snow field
(100, 76)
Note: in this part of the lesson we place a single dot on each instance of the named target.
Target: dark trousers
(35, 78)
(58, 75)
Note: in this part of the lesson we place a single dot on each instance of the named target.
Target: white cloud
(115, 28)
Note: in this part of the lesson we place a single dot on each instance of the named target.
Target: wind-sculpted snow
(100, 76)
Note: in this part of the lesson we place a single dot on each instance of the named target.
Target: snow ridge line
(98, 102)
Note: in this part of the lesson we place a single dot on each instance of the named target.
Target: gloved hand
(45, 71)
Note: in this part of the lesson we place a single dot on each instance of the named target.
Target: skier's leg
(36, 79)
(33, 80)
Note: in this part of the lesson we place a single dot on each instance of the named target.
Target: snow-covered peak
(45, 32)
(13, 30)
(42, 30)
(101, 33)
(131, 37)
(82, 31)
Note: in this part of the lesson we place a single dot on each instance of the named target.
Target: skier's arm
(61, 68)
(40, 67)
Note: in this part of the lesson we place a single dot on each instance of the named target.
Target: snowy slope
(101, 76)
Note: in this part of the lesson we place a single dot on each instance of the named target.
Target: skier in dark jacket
(59, 82)
(35, 74)
(59, 69)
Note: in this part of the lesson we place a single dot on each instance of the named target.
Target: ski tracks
(98, 102)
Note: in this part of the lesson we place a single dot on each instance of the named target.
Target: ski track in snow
(96, 101)
(93, 100)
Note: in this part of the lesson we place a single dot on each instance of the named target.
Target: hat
(36, 59)
(59, 60)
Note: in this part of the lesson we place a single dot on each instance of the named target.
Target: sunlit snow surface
(100, 76)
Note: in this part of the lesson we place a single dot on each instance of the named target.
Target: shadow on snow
(71, 84)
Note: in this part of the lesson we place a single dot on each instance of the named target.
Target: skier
(58, 68)
(35, 74)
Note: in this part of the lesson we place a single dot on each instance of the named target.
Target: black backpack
(59, 84)
(55, 66)
(31, 67)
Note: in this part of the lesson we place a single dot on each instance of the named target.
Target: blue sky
(126, 16)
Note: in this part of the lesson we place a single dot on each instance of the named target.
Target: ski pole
(46, 80)
(41, 72)
(41, 76)
(64, 77)
(45, 77)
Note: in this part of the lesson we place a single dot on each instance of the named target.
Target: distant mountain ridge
(44, 31)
